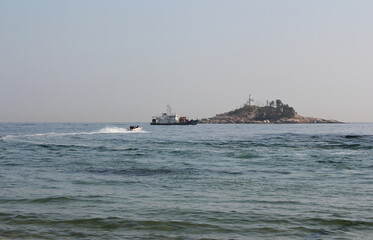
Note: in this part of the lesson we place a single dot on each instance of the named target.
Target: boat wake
(111, 130)
(105, 130)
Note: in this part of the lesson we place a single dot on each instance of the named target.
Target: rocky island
(274, 112)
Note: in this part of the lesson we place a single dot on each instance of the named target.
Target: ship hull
(191, 122)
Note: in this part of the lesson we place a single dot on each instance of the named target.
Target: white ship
(169, 118)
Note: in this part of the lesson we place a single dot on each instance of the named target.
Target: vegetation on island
(273, 112)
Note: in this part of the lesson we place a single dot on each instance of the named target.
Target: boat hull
(191, 122)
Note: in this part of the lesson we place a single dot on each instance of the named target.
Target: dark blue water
(99, 181)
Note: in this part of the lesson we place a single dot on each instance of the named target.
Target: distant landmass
(274, 112)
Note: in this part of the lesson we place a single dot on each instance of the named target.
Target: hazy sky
(126, 60)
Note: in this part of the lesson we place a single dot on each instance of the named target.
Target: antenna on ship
(250, 100)
(169, 109)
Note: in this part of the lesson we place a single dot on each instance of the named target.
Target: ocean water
(100, 181)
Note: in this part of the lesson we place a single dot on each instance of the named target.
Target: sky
(124, 61)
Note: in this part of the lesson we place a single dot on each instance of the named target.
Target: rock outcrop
(259, 115)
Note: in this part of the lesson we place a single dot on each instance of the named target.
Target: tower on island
(250, 101)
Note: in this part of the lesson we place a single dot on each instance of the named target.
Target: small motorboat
(134, 128)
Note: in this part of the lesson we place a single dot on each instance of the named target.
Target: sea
(209, 181)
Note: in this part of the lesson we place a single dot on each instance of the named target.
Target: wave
(59, 199)
(333, 226)
(103, 223)
(135, 171)
(143, 171)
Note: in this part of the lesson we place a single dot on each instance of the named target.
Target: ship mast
(169, 110)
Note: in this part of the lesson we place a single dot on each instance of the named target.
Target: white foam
(114, 130)
(105, 130)
(111, 130)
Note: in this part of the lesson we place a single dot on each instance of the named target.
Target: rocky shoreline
(233, 120)
(261, 115)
